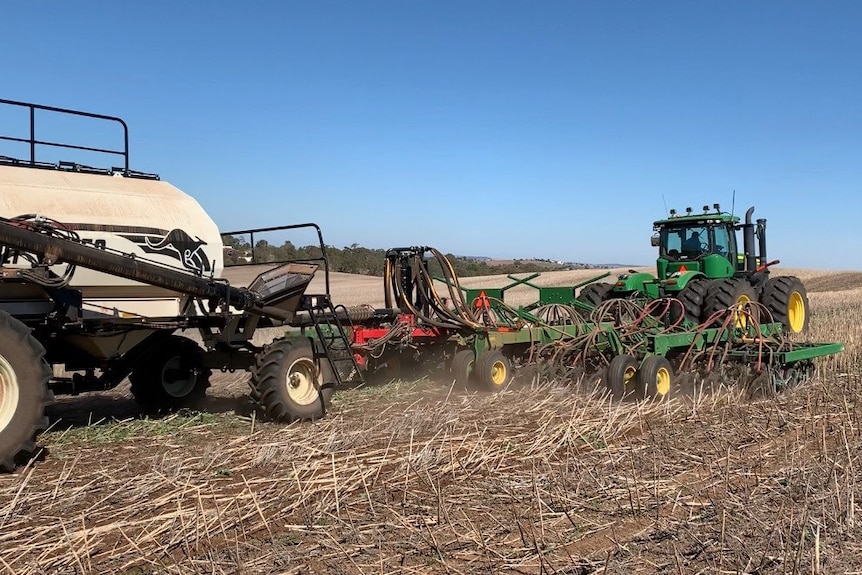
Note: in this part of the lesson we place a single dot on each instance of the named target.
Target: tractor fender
(684, 277)
(678, 280)
(633, 282)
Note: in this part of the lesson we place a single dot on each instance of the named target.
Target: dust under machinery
(101, 267)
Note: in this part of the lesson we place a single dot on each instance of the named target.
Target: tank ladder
(335, 345)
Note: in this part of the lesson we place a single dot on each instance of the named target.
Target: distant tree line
(356, 259)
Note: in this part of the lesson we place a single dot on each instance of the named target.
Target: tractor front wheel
(692, 297)
(731, 293)
(24, 392)
(595, 294)
(787, 300)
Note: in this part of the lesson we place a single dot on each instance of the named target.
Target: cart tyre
(289, 382)
(171, 376)
(24, 392)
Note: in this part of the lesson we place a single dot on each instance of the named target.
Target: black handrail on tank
(34, 142)
(324, 258)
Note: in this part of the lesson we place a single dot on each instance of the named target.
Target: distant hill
(548, 264)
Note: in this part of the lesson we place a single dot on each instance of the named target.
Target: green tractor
(700, 264)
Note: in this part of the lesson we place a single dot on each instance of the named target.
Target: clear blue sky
(500, 128)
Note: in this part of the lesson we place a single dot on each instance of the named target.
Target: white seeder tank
(146, 217)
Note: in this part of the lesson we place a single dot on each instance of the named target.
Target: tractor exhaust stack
(748, 242)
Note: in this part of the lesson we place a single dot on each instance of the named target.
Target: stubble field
(416, 477)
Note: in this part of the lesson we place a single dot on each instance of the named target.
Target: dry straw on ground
(418, 478)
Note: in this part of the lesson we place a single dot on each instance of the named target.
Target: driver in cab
(693, 244)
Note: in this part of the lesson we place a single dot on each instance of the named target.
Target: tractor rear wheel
(692, 297)
(171, 377)
(287, 381)
(621, 378)
(655, 377)
(462, 367)
(24, 392)
(493, 371)
(730, 293)
(787, 300)
(595, 293)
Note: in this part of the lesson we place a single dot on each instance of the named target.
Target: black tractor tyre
(24, 392)
(787, 300)
(729, 292)
(462, 368)
(622, 376)
(655, 377)
(595, 293)
(288, 381)
(692, 297)
(171, 377)
(493, 371)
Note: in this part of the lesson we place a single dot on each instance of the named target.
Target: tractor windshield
(687, 242)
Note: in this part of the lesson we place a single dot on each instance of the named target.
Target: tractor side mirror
(654, 241)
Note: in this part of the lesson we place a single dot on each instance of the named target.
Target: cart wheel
(655, 377)
(288, 381)
(462, 366)
(493, 371)
(171, 377)
(622, 380)
(24, 392)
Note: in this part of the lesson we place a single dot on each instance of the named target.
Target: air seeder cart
(101, 269)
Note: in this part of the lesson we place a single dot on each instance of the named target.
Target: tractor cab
(704, 242)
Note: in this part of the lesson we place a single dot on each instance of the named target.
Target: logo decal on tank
(177, 244)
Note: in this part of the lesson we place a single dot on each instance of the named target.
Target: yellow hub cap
(796, 312)
(499, 373)
(662, 382)
(629, 378)
(741, 317)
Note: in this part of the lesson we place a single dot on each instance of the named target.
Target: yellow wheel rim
(796, 312)
(302, 381)
(662, 382)
(8, 392)
(629, 378)
(499, 373)
(742, 317)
